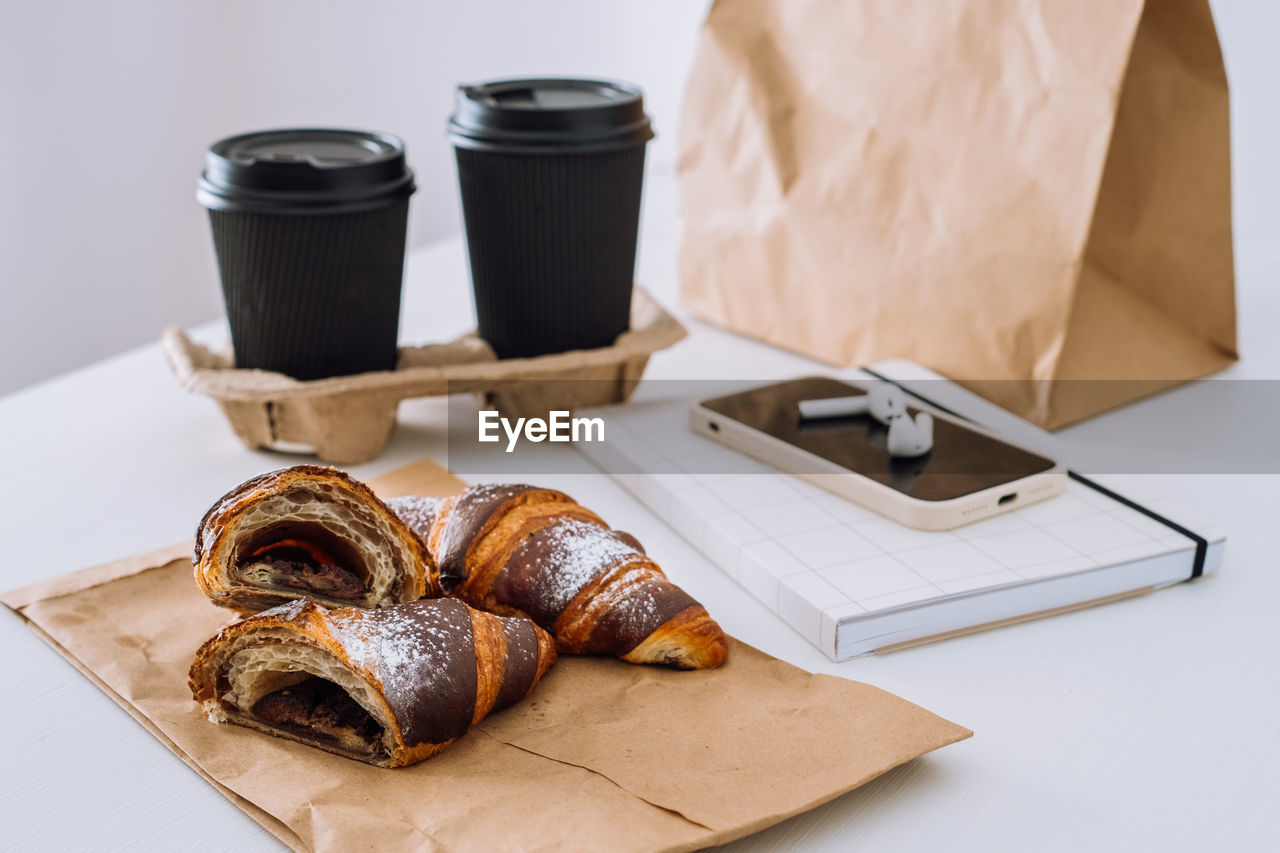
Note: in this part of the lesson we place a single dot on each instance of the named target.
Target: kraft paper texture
(603, 755)
(1027, 191)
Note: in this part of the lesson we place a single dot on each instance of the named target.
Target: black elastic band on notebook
(1202, 544)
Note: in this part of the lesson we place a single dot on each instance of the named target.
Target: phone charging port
(1006, 499)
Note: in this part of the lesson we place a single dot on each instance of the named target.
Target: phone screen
(962, 461)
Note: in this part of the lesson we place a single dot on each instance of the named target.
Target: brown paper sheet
(602, 755)
(1029, 198)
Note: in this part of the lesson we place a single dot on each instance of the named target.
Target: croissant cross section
(309, 530)
(389, 687)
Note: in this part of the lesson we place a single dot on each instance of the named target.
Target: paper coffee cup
(550, 172)
(309, 231)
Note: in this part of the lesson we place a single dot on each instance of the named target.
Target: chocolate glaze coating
(475, 507)
(541, 576)
(643, 612)
(426, 659)
(419, 513)
(522, 661)
(629, 539)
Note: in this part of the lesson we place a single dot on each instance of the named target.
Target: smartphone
(970, 474)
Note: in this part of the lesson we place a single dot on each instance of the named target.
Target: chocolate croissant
(389, 687)
(309, 530)
(523, 550)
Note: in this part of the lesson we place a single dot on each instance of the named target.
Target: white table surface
(1148, 724)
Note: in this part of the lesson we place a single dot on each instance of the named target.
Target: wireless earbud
(882, 401)
(886, 403)
(832, 407)
(908, 438)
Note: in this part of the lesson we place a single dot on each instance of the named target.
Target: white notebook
(853, 582)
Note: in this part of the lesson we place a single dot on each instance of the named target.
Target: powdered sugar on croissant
(388, 687)
(537, 552)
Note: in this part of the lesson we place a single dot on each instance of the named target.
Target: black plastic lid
(549, 116)
(304, 170)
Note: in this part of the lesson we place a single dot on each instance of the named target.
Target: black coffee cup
(550, 173)
(309, 230)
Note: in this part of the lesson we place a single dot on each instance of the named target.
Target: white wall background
(106, 108)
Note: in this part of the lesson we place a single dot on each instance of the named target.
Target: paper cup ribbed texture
(552, 241)
(313, 295)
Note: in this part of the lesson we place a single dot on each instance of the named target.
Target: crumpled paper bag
(603, 755)
(1031, 198)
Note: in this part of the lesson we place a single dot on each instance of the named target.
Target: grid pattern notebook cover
(851, 581)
